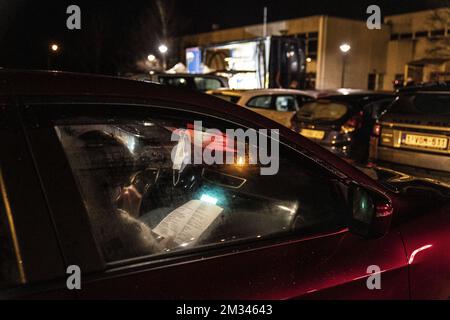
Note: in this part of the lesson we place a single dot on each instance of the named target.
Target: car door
(277, 236)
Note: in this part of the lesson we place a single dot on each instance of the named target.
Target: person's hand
(168, 242)
(130, 200)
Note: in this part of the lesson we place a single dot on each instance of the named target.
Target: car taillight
(352, 124)
(376, 130)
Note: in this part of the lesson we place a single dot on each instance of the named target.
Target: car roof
(227, 92)
(191, 75)
(57, 83)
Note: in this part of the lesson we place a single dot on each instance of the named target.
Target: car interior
(126, 172)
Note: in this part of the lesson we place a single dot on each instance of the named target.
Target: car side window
(286, 103)
(262, 102)
(205, 84)
(145, 194)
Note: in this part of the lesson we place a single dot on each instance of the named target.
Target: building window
(406, 36)
(371, 81)
(312, 47)
(313, 35)
(395, 36)
(438, 33)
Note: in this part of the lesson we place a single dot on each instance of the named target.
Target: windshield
(322, 110)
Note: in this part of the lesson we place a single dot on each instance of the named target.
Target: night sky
(115, 34)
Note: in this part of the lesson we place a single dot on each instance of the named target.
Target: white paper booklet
(187, 223)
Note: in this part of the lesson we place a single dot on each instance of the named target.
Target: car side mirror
(371, 212)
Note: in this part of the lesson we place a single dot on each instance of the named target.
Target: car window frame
(100, 266)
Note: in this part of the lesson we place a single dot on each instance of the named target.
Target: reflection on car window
(286, 103)
(263, 102)
(205, 84)
(140, 203)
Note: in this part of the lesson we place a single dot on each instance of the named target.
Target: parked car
(276, 104)
(415, 130)
(199, 82)
(425, 86)
(342, 122)
(88, 185)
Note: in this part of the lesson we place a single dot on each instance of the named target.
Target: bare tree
(439, 20)
(160, 23)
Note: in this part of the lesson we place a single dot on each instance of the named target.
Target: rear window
(432, 103)
(205, 84)
(229, 98)
(322, 110)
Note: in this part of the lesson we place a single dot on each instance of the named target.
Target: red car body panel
(427, 246)
(335, 268)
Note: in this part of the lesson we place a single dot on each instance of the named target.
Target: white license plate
(313, 134)
(425, 141)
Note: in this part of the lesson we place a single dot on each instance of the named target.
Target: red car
(92, 205)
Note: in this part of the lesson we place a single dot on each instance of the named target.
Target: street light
(151, 58)
(54, 48)
(163, 50)
(345, 49)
